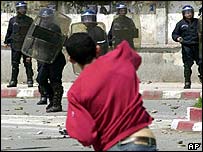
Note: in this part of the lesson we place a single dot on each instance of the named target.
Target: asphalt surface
(26, 126)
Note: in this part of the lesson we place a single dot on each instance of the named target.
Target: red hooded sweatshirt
(105, 105)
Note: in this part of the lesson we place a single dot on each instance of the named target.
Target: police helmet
(121, 6)
(89, 16)
(187, 8)
(46, 12)
(21, 4)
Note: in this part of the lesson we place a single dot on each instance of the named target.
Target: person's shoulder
(196, 19)
(28, 18)
(182, 21)
(128, 18)
(12, 18)
(99, 28)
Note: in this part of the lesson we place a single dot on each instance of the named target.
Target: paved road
(26, 126)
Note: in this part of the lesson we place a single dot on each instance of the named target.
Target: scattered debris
(63, 131)
(76, 144)
(164, 131)
(154, 111)
(26, 113)
(22, 99)
(182, 145)
(149, 82)
(180, 142)
(19, 108)
(174, 107)
(158, 120)
(39, 132)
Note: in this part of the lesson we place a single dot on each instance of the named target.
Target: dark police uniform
(190, 47)
(99, 35)
(16, 32)
(122, 28)
(89, 18)
(52, 73)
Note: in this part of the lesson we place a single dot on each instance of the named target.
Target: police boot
(50, 101)
(187, 75)
(13, 82)
(187, 85)
(58, 93)
(50, 96)
(200, 78)
(30, 74)
(43, 98)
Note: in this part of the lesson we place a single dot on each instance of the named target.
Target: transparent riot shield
(97, 30)
(46, 36)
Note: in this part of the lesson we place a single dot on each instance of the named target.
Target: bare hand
(179, 39)
(28, 59)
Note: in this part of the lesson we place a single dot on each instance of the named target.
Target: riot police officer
(200, 40)
(89, 19)
(16, 32)
(122, 28)
(186, 33)
(50, 75)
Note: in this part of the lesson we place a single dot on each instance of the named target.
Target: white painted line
(141, 91)
(175, 122)
(29, 92)
(171, 94)
(33, 120)
(197, 126)
(188, 113)
(54, 121)
(164, 123)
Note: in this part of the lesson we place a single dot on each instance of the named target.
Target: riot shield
(123, 28)
(97, 30)
(46, 36)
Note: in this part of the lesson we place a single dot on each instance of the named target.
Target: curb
(192, 122)
(146, 94)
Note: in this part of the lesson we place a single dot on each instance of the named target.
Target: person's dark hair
(81, 48)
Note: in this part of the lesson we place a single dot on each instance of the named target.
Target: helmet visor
(88, 18)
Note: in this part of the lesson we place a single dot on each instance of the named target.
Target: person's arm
(134, 29)
(176, 33)
(9, 32)
(79, 123)
(110, 36)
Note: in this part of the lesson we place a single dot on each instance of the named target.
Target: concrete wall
(161, 56)
(155, 26)
(155, 67)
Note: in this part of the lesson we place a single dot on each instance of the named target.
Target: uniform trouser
(190, 53)
(15, 60)
(50, 75)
